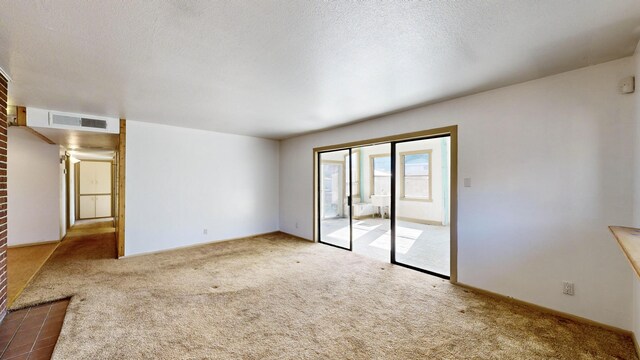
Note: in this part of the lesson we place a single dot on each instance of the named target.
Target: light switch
(467, 182)
(627, 85)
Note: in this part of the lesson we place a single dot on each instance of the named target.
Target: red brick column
(3, 196)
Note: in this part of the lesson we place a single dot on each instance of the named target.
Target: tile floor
(423, 246)
(32, 333)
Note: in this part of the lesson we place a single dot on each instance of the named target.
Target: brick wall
(3, 196)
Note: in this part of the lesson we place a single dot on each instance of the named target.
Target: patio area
(419, 245)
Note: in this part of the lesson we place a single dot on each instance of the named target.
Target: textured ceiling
(277, 68)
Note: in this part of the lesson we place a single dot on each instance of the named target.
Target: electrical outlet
(568, 288)
(205, 231)
(296, 224)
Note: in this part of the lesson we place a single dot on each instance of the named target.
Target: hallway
(92, 227)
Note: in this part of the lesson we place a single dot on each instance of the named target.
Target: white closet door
(103, 205)
(87, 207)
(102, 173)
(87, 177)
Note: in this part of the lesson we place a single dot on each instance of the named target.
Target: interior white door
(87, 206)
(95, 177)
(103, 206)
(102, 174)
(95, 189)
(87, 177)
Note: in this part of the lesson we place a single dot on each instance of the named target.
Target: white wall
(550, 166)
(33, 183)
(180, 181)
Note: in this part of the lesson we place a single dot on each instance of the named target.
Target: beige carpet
(91, 227)
(275, 297)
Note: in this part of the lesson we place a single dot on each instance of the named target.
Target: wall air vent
(51, 119)
(64, 120)
(57, 119)
(93, 123)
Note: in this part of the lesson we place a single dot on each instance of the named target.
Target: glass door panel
(371, 188)
(422, 205)
(335, 211)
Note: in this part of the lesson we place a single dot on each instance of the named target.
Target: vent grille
(93, 123)
(77, 121)
(65, 120)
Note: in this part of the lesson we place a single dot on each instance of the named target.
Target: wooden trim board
(67, 185)
(21, 116)
(76, 189)
(385, 139)
(453, 215)
(629, 240)
(122, 147)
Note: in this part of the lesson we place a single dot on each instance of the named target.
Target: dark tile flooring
(32, 333)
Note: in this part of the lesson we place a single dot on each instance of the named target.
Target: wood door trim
(122, 147)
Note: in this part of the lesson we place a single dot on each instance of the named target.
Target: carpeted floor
(276, 297)
(91, 227)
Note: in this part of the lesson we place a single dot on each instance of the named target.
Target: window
(416, 175)
(380, 166)
(355, 174)
(332, 189)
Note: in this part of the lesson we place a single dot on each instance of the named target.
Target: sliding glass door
(334, 193)
(389, 201)
(372, 201)
(421, 231)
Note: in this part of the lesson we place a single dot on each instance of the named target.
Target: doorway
(95, 189)
(334, 211)
(91, 194)
(391, 199)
